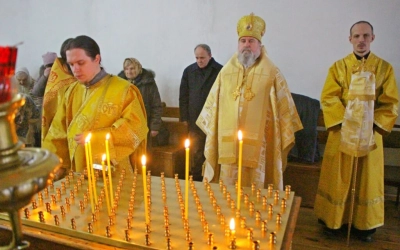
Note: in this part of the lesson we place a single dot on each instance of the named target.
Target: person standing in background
(39, 87)
(28, 120)
(144, 80)
(44, 72)
(197, 80)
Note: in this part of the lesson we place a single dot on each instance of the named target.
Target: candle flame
(187, 143)
(88, 137)
(108, 136)
(232, 224)
(103, 158)
(240, 135)
(143, 160)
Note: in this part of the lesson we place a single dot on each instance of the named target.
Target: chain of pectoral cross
(248, 95)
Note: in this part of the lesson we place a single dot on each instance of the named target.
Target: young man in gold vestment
(98, 103)
(250, 94)
(359, 101)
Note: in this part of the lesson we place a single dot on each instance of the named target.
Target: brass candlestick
(256, 245)
(233, 243)
(23, 172)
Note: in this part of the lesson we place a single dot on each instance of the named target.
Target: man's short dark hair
(205, 47)
(63, 48)
(372, 28)
(86, 43)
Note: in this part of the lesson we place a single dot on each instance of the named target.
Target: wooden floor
(309, 234)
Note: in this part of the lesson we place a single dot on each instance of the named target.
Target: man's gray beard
(247, 58)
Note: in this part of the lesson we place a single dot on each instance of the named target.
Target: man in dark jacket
(197, 80)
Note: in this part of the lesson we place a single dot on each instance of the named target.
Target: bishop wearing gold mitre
(250, 94)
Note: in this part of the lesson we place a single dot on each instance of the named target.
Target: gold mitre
(251, 25)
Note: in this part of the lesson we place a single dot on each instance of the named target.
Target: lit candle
(232, 227)
(88, 171)
(146, 208)
(239, 188)
(105, 183)
(109, 169)
(93, 180)
(187, 143)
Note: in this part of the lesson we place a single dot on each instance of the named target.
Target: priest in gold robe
(359, 101)
(97, 103)
(59, 77)
(250, 94)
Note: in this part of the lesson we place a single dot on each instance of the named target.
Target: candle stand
(23, 171)
(206, 228)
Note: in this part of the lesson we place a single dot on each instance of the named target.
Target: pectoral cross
(249, 95)
(236, 93)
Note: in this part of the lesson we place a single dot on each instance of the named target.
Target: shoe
(364, 235)
(332, 232)
(321, 222)
(366, 238)
(329, 231)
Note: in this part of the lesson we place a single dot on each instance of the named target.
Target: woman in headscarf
(144, 80)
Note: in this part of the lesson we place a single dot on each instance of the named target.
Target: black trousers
(197, 143)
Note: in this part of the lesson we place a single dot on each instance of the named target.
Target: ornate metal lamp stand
(23, 171)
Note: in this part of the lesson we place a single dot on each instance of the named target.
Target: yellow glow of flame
(88, 137)
(187, 143)
(232, 224)
(143, 160)
(240, 135)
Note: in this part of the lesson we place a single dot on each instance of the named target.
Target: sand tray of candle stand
(179, 239)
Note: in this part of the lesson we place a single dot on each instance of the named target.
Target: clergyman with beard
(250, 94)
